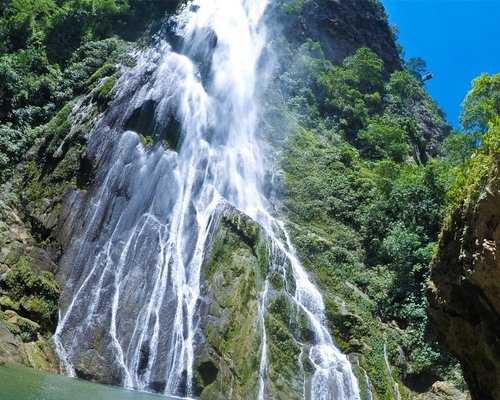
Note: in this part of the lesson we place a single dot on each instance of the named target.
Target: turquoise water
(22, 383)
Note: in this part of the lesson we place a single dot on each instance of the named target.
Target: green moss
(168, 144)
(20, 278)
(146, 140)
(95, 342)
(37, 294)
(28, 329)
(13, 328)
(283, 350)
(43, 309)
(375, 365)
(282, 309)
(55, 131)
(104, 71)
(262, 252)
(305, 332)
(105, 92)
(6, 303)
(247, 229)
(276, 281)
(230, 277)
(13, 256)
(292, 7)
(360, 376)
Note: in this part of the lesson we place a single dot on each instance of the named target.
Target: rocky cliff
(228, 339)
(28, 295)
(342, 27)
(464, 293)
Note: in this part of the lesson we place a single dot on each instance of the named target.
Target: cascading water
(136, 263)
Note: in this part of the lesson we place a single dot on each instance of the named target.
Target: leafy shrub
(384, 138)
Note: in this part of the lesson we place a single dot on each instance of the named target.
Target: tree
(366, 69)
(482, 103)
(416, 66)
(384, 138)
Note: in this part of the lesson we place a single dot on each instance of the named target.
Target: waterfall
(142, 235)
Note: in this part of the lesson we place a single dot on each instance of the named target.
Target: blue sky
(459, 40)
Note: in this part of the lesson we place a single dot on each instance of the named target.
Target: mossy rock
(6, 303)
(147, 141)
(21, 326)
(104, 71)
(41, 355)
(245, 228)
(282, 348)
(34, 294)
(105, 91)
(230, 361)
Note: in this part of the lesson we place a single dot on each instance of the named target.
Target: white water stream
(138, 258)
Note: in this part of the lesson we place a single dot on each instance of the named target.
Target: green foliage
(33, 89)
(292, 7)
(61, 27)
(79, 20)
(13, 145)
(34, 295)
(482, 103)
(475, 153)
(471, 173)
(92, 62)
(51, 52)
(384, 138)
(315, 88)
(366, 200)
(365, 68)
(459, 146)
(28, 87)
(403, 92)
(416, 66)
(352, 93)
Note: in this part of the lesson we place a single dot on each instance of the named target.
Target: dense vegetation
(53, 51)
(472, 152)
(368, 173)
(366, 190)
(53, 56)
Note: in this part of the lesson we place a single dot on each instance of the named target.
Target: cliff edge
(342, 27)
(464, 293)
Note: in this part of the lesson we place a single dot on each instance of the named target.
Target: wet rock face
(28, 295)
(229, 340)
(228, 349)
(343, 26)
(93, 367)
(464, 294)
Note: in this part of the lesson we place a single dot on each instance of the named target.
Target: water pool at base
(23, 383)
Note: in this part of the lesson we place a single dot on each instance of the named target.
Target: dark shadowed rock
(464, 294)
(93, 366)
(343, 26)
